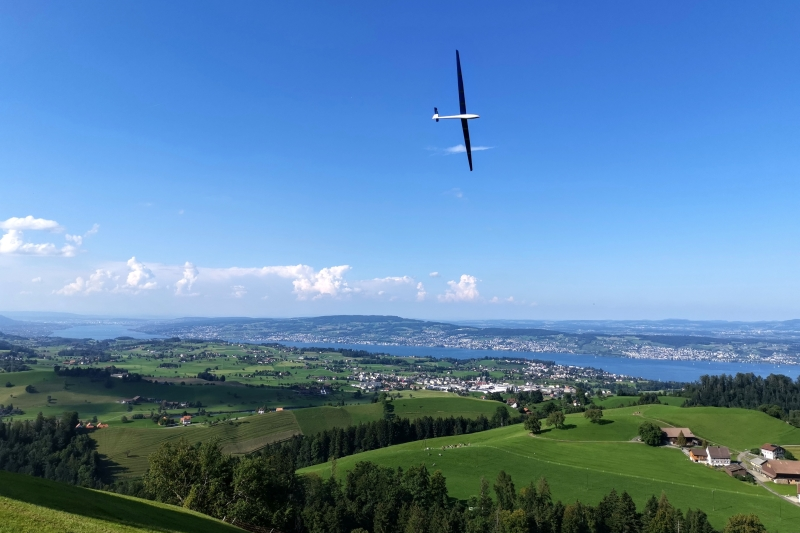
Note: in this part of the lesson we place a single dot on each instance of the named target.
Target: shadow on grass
(604, 422)
(556, 430)
(104, 506)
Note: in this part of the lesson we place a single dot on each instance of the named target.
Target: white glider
(463, 115)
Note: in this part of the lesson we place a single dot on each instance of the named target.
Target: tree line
(264, 490)
(306, 450)
(776, 395)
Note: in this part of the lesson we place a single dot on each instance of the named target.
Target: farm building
(780, 471)
(771, 451)
(186, 420)
(672, 435)
(736, 470)
(758, 463)
(698, 455)
(718, 456)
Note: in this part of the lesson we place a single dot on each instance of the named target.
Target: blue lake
(646, 368)
(663, 370)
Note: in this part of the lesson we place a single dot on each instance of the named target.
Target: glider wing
(465, 127)
(461, 101)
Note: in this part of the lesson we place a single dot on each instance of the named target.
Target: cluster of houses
(770, 462)
(90, 426)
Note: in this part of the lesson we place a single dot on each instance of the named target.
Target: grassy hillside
(739, 429)
(584, 470)
(129, 445)
(34, 505)
(241, 436)
(93, 398)
(314, 420)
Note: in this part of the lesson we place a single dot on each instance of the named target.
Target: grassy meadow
(129, 447)
(585, 461)
(34, 505)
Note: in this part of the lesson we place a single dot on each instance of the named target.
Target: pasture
(413, 405)
(129, 447)
(583, 471)
(34, 505)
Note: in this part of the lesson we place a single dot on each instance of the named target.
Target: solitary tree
(556, 419)
(594, 415)
(681, 440)
(533, 424)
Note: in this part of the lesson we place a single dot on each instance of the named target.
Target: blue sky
(278, 159)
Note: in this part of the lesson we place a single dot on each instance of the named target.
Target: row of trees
(264, 490)
(306, 450)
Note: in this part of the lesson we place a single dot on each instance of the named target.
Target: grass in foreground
(34, 505)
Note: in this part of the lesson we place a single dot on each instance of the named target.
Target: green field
(615, 402)
(587, 460)
(92, 398)
(34, 505)
(130, 446)
(739, 429)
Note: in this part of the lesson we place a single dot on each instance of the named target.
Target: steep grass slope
(34, 505)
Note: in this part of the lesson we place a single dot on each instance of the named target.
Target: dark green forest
(777, 395)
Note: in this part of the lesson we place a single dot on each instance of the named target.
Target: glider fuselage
(467, 117)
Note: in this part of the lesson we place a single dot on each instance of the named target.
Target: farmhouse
(186, 420)
(771, 451)
(718, 456)
(698, 455)
(782, 471)
(672, 434)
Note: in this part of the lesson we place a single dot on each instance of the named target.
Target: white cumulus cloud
(183, 287)
(139, 276)
(37, 279)
(95, 283)
(421, 293)
(13, 240)
(237, 291)
(307, 282)
(465, 290)
(434, 274)
(30, 223)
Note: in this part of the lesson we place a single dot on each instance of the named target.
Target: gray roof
(758, 461)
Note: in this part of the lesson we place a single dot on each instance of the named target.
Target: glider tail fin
(435, 114)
